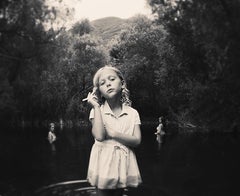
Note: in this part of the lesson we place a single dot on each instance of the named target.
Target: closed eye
(102, 82)
(112, 78)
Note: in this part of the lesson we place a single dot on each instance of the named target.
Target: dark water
(183, 165)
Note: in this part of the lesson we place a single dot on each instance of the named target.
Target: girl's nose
(108, 84)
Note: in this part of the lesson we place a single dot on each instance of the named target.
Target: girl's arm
(127, 140)
(98, 129)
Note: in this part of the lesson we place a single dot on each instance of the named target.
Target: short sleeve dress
(113, 165)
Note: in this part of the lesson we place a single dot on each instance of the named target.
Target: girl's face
(52, 127)
(110, 84)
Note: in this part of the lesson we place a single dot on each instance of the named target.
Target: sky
(95, 9)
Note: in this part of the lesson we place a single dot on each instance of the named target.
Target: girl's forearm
(127, 140)
(98, 129)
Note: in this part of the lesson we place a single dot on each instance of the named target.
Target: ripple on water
(82, 188)
(68, 188)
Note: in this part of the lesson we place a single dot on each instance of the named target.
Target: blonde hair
(125, 92)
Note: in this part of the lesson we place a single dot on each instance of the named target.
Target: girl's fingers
(87, 98)
(91, 97)
(94, 97)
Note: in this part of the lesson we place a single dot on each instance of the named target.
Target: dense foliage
(206, 39)
(183, 64)
(75, 58)
(44, 71)
(23, 41)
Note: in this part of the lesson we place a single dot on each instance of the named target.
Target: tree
(82, 27)
(22, 37)
(75, 57)
(145, 55)
(205, 36)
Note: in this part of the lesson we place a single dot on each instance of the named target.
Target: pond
(182, 165)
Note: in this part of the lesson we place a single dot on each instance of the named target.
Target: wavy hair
(125, 92)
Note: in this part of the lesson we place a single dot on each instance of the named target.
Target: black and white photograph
(119, 97)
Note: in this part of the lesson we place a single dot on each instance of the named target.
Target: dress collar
(107, 109)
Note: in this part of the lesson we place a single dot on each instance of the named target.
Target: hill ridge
(108, 27)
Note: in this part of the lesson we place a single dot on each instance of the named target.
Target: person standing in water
(51, 134)
(52, 137)
(160, 132)
(116, 130)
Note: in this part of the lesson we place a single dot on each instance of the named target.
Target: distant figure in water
(160, 132)
(52, 136)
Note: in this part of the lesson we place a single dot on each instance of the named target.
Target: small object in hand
(85, 99)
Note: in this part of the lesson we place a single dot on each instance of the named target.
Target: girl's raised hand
(92, 99)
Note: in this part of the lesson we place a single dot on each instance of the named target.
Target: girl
(52, 137)
(160, 132)
(160, 128)
(51, 134)
(116, 129)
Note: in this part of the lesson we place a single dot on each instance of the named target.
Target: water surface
(183, 165)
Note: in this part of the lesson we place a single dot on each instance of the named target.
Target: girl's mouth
(110, 90)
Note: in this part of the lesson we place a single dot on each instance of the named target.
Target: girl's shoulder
(133, 113)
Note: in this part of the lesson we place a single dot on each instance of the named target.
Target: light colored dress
(113, 165)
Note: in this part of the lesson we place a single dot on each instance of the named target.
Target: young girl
(52, 137)
(51, 134)
(116, 129)
(160, 132)
(160, 127)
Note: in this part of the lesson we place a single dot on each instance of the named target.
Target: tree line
(183, 64)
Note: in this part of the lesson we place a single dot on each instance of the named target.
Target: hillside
(108, 27)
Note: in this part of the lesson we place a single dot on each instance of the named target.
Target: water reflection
(182, 165)
(160, 139)
(67, 188)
